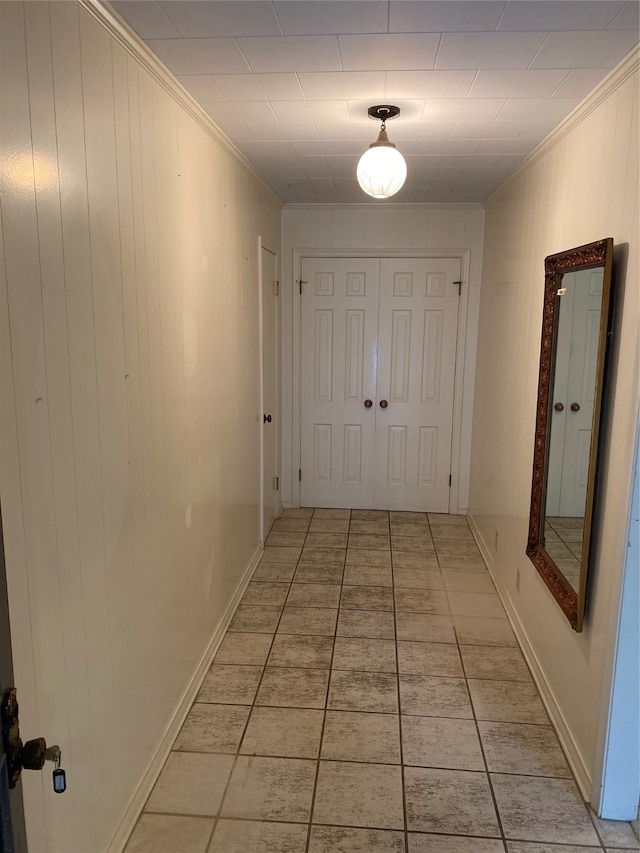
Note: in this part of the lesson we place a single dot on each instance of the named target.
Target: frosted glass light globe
(381, 170)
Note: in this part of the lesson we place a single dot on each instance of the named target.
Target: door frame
(464, 256)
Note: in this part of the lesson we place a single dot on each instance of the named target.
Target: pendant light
(382, 169)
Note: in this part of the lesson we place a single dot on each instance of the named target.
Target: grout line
(400, 726)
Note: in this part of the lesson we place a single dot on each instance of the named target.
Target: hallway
(369, 696)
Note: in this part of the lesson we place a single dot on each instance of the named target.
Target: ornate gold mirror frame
(551, 536)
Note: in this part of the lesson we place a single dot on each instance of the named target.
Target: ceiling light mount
(382, 169)
(383, 113)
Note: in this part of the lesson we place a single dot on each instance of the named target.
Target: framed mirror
(575, 332)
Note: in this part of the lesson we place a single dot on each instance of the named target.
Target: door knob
(575, 407)
(383, 404)
(267, 419)
(559, 407)
(368, 404)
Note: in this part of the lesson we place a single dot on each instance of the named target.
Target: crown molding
(119, 30)
(473, 205)
(625, 69)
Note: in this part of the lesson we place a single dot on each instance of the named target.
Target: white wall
(580, 186)
(374, 228)
(130, 393)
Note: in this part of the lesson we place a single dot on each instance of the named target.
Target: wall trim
(145, 785)
(119, 30)
(558, 720)
(619, 75)
(464, 256)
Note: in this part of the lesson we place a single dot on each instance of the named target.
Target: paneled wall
(130, 393)
(374, 229)
(581, 186)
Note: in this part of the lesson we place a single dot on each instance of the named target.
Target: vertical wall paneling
(129, 443)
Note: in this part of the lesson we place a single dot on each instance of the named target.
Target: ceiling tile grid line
(479, 84)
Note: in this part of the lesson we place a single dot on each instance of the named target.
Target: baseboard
(558, 719)
(148, 780)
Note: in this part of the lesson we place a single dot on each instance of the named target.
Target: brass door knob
(559, 407)
(383, 404)
(368, 404)
(575, 407)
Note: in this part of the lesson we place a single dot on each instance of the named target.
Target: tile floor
(369, 696)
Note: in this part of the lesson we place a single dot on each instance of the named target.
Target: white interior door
(378, 331)
(270, 397)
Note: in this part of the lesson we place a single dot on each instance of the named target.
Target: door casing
(272, 404)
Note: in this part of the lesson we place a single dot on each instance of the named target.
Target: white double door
(378, 354)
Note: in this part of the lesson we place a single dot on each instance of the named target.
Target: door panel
(270, 400)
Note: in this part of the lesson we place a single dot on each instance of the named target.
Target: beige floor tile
(417, 578)
(507, 702)
(294, 688)
(419, 843)
(159, 833)
(308, 620)
(453, 532)
(377, 528)
(457, 547)
(191, 783)
(446, 518)
(501, 664)
(274, 572)
(429, 659)
(434, 697)
(265, 593)
(319, 573)
(261, 620)
(270, 789)
(534, 847)
(366, 623)
(437, 742)
(281, 554)
(329, 525)
(286, 537)
(616, 833)
(368, 576)
(313, 595)
(542, 809)
(244, 648)
(468, 582)
(407, 560)
(295, 650)
(369, 515)
(401, 517)
(363, 691)
(253, 836)
(322, 556)
(368, 795)
(370, 541)
(433, 601)
(450, 801)
(291, 525)
(480, 631)
(368, 557)
(297, 512)
(284, 732)
(342, 839)
(412, 544)
(367, 598)
(358, 736)
(365, 655)
(230, 684)
(212, 728)
(423, 628)
(522, 749)
(326, 540)
(475, 604)
(461, 563)
(419, 530)
(332, 513)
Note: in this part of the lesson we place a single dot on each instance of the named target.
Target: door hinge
(459, 283)
(276, 288)
(276, 484)
(300, 283)
(449, 480)
(300, 474)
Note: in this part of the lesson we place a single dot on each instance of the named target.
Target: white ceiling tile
(462, 109)
(490, 50)
(410, 110)
(224, 18)
(510, 161)
(283, 131)
(516, 84)
(146, 18)
(265, 148)
(351, 85)
(538, 109)
(559, 15)
(200, 56)
(259, 87)
(317, 17)
(256, 112)
(299, 112)
(420, 130)
(537, 130)
(291, 53)
(435, 147)
(488, 129)
(505, 146)
(402, 51)
(407, 16)
(235, 132)
(203, 89)
(323, 147)
(453, 161)
(585, 50)
(628, 18)
(429, 84)
(357, 130)
(579, 82)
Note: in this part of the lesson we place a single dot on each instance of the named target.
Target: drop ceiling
(479, 83)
